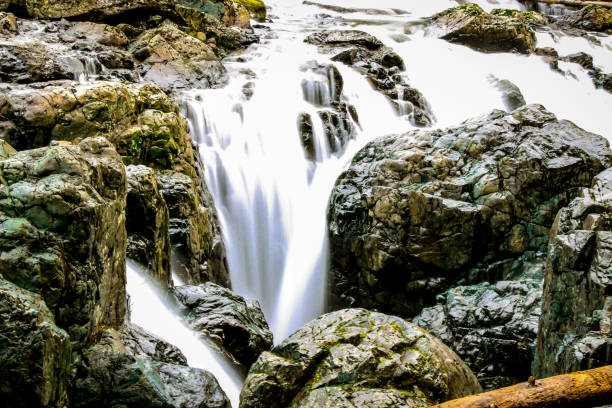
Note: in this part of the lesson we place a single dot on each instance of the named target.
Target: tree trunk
(575, 3)
(582, 389)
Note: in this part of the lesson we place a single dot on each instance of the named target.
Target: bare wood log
(580, 389)
(575, 3)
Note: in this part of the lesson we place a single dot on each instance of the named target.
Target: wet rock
(380, 64)
(102, 33)
(90, 9)
(147, 224)
(307, 136)
(237, 326)
(194, 230)
(574, 332)
(141, 343)
(417, 213)
(491, 326)
(323, 88)
(354, 357)
(112, 375)
(511, 94)
(28, 62)
(174, 60)
(500, 31)
(34, 352)
(592, 17)
(600, 79)
(62, 232)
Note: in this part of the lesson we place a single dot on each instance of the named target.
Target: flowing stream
(272, 200)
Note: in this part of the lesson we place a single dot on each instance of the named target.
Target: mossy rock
(257, 8)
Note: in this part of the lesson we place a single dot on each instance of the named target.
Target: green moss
(257, 8)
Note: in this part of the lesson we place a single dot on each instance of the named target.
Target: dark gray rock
(35, 354)
(511, 94)
(592, 17)
(111, 375)
(141, 343)
(148, 223)
(354, 357)
(575, 330)
(62, 232)
(194, 230)
(492, 327)
(237, 326)
(380, 64)
(419, 213)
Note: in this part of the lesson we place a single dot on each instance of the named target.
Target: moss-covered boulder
(148, 223)
(416, 214)
(500, 31)
(354, 357)
(592, 17)
(35, 354)
(62, 232)
(575, 331)
(113, 372)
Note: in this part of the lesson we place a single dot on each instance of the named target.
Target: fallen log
(575, 3)
(582, 389)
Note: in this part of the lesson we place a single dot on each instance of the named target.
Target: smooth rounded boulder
(357, 358)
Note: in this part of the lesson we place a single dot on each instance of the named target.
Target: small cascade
(150, 310)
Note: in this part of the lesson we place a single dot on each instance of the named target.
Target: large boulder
(502, 30)
(113, 373)
(174, 60)
(575, 331)
(418, 213)
(257, 8)
(30, 61)
(148, 223)
(35, 354)
(592, 17)
(62, 232)
(380, 64)
(491, 326)
(237, 326)
(354, 357)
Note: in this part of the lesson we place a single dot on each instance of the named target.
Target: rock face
(148, 223)
(146, 128)
(500, 31)
(237, 326)
(418, 213)
(34, 352)
(492, 326)
(112, 375)
(574, 332)
(354, 358)
(380, 64)
(199, 252)
(62, 232)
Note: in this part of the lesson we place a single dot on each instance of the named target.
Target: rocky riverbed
(461, 258)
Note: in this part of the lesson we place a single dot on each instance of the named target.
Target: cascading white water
(272, 201)
(149, 310)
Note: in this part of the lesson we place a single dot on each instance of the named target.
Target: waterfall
(149, 310)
